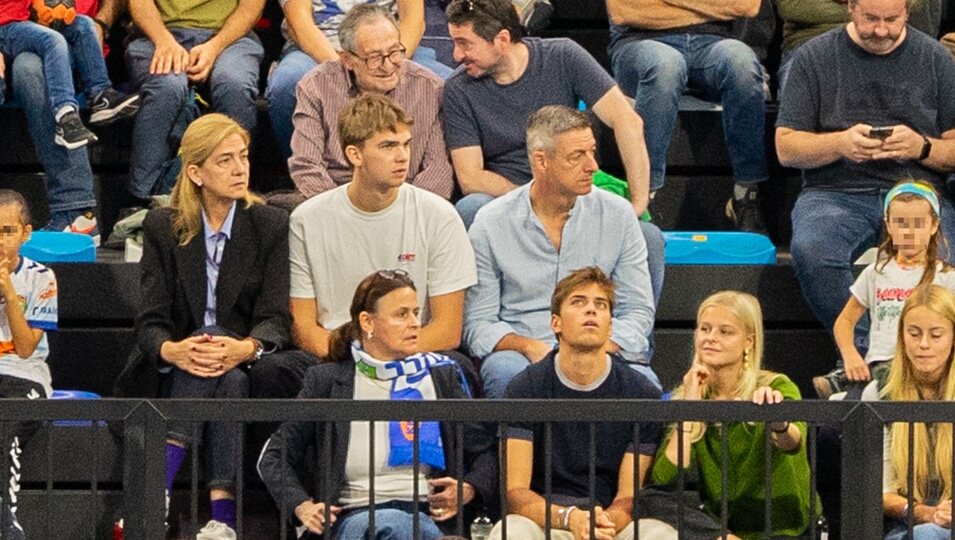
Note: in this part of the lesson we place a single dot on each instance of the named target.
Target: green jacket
(747, 493)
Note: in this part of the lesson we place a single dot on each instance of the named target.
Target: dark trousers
(16, 437)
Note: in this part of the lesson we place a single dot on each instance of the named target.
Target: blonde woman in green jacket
(726, 366)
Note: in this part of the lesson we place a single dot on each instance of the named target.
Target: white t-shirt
(884, 293)
(36, 290)
(333, 246)
(391, 483)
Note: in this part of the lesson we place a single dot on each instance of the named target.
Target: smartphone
(880, 133)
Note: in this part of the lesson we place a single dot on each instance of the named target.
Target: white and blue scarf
(410, 379)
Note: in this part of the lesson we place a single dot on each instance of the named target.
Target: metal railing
(143, 425)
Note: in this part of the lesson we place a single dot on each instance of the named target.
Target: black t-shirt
(571, 440)
(835, 84)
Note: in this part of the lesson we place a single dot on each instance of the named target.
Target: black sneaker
(111, 105)
(746, 213)
(831, 383)
(71, 133)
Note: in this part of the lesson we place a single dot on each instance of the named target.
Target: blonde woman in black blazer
(214, 309)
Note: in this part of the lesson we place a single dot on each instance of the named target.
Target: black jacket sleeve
(480, 445)
(294, 438)
(154, 323)
(271, 320)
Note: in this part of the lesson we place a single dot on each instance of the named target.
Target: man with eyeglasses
(372, 60)
(313, 36)
(377, 221)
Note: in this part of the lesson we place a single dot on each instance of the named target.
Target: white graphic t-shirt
(883, 292)
(35, 285)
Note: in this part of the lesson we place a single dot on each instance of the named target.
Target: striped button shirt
(318, 163)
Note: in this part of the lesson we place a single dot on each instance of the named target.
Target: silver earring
(370, 335)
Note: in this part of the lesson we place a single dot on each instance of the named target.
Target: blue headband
(915, 189)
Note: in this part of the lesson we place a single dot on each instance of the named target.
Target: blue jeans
(656, 73)
(54, 49)
(469, 205)
(233, 86)
(498, 368)
(280, 93)
(925, 531)
(293, 65)
(428, 58)
(69, 178)
(220, 439)
(831, 229)
(390, 524)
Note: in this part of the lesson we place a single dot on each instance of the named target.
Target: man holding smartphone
(866, 105)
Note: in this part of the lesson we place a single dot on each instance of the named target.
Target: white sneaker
(216, 530)
(85, 224)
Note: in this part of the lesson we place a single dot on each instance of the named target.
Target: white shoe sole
(127, 107)
(72, 145)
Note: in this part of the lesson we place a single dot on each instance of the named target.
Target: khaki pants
(520, 527)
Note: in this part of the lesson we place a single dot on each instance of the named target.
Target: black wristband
(103, 26)
(784, 430)
(926, 148)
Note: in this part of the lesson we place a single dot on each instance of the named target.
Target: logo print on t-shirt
(406, 258)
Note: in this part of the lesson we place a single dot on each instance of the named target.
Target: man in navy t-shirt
(866, 105)
(580, 368)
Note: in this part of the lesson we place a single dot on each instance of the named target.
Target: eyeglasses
(390, 275)
(375, 61)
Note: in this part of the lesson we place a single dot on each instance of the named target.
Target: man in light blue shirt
(530, 238)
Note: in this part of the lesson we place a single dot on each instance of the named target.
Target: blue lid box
(54, 247)
(718, 248)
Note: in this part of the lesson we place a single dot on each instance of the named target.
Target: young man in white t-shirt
(377, 222)
(28, 309)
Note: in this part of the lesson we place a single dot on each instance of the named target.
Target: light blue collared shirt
(215, 246)
(518, 269)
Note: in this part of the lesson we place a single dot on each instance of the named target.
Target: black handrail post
(154, 489)
(134, 472)
(144, 501)
(862, 432)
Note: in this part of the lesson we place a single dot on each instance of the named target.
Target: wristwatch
(257, 353)
(926, 148)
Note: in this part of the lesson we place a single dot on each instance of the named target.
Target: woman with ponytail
(373, 357)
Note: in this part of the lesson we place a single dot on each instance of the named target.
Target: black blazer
(337, 381)
(252, 293)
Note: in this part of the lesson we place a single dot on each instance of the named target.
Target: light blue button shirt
(518, 268)
(215, 246)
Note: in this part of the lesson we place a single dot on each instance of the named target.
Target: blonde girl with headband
(908, 257)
